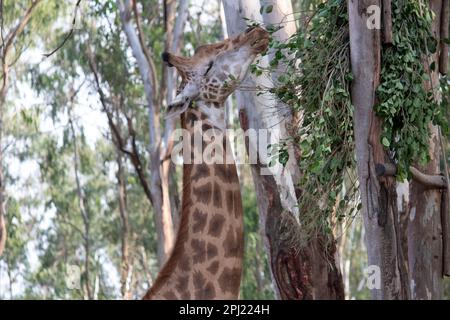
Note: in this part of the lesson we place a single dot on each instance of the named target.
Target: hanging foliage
(317, 85)
(405, 103)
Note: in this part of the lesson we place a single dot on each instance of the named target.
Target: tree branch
(117, 136)
(429, 181)
(20, 27)
(387, 21)
(147, 54)
(67, 37)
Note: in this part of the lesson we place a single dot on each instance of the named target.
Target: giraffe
(206, 261)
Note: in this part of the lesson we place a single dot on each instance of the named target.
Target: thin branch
(430, 181)
(147, 54)
(69, 34)
(19, 28)
(2, 27)
(117, 137)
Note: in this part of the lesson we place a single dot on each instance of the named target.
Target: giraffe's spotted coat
(200, 219)
(214, 267)
(217, 196)
(203, 193)
(216, 225)
(199, 251)
(229, 280)
(201, 171)
(211, 251)
(206, 262)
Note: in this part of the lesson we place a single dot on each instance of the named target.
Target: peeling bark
(387, 21)
(299, 273)
(305, 273)
(283, 120)
(378, 194)
(425, 245)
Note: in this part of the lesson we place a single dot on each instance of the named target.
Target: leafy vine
(406, 95)
(317, 86)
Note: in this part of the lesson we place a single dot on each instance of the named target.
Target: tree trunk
(378, 196)
(174, 31)
(163, 219)
(297, 273)
(424, 230)
(282, 16)
(125, 232)
(82, 204)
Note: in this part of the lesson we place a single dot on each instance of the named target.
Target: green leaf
(385, 142)
(269, 9)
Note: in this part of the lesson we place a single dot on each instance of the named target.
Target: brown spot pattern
(182, 283)
(199, 280)
(231, 245)
(201, 171)
(229, 280)
(203, 193)
(237, 204)
(223, 172)
(211, 251)
(203, 290)
(208, 292)
(199, 221)
(185, 295)
(169, 295)
(213, 267)
(199, 248)
(229, 200)
(217, 196)
(185, 263)
(216, 225)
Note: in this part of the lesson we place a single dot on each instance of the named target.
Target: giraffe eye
(250, 29)
(209, 67)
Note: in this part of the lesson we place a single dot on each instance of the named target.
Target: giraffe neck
(206, 262)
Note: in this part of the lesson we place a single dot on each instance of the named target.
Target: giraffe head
(215, 70)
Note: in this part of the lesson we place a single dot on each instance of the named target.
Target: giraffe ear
(166, 58)
(173, 60)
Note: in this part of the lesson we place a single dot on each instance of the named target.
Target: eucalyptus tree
(12, 46)
(398, 110)
(308, 257)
